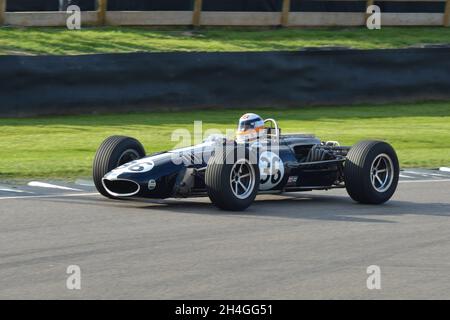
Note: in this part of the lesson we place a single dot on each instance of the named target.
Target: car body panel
(180, 172)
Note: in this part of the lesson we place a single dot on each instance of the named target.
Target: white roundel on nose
(136, 166)
(271, 170)
(142, 165)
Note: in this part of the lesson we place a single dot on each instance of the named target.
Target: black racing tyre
(232, 179)
(371, 172)
(112, 153)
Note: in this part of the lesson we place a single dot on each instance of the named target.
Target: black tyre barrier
(44, 85)
(229, 5)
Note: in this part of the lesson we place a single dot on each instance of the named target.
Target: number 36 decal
(271, 170)
(136, 166)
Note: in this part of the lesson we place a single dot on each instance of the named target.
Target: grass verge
(60, 41)
(64, 147)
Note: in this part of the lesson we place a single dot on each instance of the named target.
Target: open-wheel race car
(233, 171)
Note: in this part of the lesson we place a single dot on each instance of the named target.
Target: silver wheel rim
(242, 179)
(127, 156)
(381, 172)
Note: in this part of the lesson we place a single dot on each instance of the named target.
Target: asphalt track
(314, 245)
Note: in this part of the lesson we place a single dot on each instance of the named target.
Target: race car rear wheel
(112, 153)
(232, 185)
(371, 172)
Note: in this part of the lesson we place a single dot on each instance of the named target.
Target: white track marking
(439, 175)
(426, 174)
(429, 180)
(50, 186)
(51, 196)
(86, 183)
(445, 169)
(406, 176)
(96, 194)
(14, 190)
(422, 174)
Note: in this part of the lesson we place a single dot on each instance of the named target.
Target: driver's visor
(247, 125)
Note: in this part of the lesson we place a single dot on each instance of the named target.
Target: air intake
(121, 188)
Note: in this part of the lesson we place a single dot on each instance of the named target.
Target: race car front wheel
(112, 153)
(371, 172)
(232, 182)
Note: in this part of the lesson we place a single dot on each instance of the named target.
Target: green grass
(53, 41)
(63, 147)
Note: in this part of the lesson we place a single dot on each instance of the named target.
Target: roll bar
(275, 124)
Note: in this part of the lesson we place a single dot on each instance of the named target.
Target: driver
(250, 127)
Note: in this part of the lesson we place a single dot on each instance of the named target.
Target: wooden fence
(197, 17)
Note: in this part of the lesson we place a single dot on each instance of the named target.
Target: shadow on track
(309, 207)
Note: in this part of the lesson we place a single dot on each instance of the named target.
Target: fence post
(101, 12)
(196, 14)
(2, 12)
(286, 8)
(447, 14)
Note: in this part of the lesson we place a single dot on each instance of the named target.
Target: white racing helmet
(250, 127)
